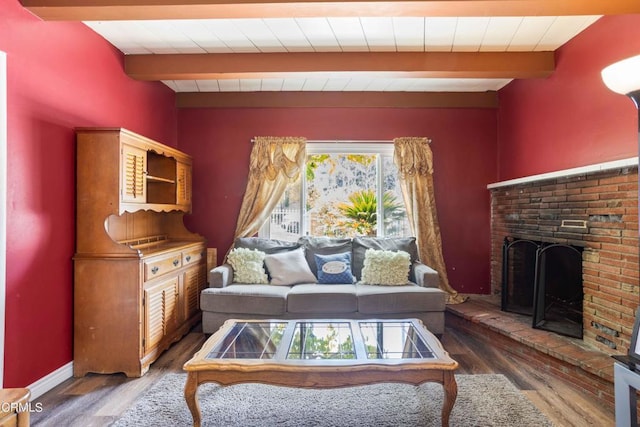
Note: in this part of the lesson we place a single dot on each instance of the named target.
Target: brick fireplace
(596, 209)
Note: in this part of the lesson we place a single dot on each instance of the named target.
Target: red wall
(464, 159)
(60, 76)
(571, 119)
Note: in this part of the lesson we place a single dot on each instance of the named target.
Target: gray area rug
(483, 401)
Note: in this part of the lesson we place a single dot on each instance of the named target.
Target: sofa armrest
(426, 276)
(221, 276)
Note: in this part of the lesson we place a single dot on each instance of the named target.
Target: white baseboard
(48, 382)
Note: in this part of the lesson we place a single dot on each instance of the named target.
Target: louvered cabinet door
(171, 314)
(160, 311)
(183, 190)
(134, 183)
(195, 279)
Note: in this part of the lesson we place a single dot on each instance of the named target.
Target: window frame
(382, 149)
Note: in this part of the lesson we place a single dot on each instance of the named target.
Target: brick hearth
(597, 211)
(588, 370)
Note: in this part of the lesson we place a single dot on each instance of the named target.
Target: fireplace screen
(544, 280)
(518, 275)
(558, 293)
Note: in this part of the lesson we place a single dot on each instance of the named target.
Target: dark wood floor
(97, 400)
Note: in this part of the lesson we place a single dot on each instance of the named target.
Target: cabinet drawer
(156, 267)
(192, 256)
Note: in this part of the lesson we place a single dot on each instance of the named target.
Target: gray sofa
(420, 298)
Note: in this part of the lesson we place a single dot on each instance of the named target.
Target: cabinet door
(160, 311)
(171, 294)
(183, 190)
(134, 183)
(195, 279)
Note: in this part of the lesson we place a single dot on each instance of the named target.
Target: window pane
(285, 218)
(394, 213)
(341, 195)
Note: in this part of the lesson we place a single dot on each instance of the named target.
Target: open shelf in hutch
(161, 179)
(153, 177)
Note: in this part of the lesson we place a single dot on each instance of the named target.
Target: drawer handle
(176, 262)
(154, 270)
(188, 258)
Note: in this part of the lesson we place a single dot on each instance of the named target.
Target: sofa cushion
(289, 268)
(398, 299)
(322, 246)
(311, 299)
(334, 269)
(268, 246)
(361, 244)
(246, 299)
(385, 268)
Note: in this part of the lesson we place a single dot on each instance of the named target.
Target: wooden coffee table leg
(190, 389)
(450, 394)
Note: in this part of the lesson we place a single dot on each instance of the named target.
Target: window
(344, 190)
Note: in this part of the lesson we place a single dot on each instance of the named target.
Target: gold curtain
(414, 161)
(274, 162)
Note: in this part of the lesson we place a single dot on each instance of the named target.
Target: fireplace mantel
(616, 164)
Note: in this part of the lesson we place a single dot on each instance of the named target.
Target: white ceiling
(341, 34)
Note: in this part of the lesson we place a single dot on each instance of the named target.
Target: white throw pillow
(289, 268)
(247, 266)
(385, 267)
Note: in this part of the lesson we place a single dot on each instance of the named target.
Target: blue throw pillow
(334, 269)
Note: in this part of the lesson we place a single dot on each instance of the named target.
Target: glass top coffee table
(321, 354)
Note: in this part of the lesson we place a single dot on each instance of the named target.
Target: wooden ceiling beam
(337, 100)
(101, 10)
(331, 64)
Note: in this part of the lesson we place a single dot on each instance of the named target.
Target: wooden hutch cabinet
(138, 270)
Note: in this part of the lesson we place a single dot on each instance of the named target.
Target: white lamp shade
(624, 76)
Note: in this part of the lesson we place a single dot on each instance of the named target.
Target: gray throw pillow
(289, 268)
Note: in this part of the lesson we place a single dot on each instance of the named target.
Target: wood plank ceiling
(325, 53)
